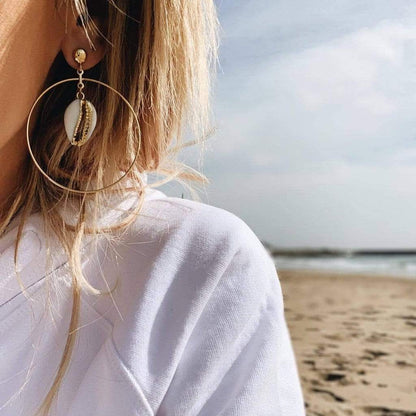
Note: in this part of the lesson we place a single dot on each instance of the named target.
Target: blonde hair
(161, 56)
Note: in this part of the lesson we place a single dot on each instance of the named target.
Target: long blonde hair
(161, 55)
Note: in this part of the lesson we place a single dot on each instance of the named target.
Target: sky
(315, 111)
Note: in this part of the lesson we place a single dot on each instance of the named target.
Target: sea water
(396, 265)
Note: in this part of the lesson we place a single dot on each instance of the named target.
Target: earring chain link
(80, 94)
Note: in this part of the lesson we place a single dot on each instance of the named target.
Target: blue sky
(315, 108)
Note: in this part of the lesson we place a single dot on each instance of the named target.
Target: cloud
(342, 206)
(316, 138)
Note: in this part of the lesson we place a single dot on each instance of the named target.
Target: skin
(32, 33)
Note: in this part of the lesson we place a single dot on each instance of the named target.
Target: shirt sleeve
(238, 360)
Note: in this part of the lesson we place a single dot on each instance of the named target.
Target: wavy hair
(161, 55)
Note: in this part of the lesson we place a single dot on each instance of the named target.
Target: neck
(12, 159)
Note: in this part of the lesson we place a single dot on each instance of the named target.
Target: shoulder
(189, 245)
(197, 290)
(200, 239)
(196, 227)
(186, 271)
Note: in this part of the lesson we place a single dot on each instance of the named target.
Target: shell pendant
(80, 119)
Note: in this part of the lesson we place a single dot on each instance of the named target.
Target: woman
(115, 298)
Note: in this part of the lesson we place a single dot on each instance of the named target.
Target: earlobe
(76, 37)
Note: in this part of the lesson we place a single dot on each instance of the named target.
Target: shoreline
(354, 337)
(345, 273)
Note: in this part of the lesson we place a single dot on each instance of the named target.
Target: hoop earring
(80, 119)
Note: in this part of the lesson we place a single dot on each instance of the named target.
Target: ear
(76, 37)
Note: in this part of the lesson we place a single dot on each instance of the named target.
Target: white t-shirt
(194, 327)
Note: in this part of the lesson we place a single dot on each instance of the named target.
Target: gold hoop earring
(80, 119)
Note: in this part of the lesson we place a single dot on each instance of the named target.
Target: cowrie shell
(80, 119)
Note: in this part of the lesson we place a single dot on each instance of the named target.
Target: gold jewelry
(80, 118)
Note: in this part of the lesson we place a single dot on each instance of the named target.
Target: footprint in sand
(384, 411)
(372, 355)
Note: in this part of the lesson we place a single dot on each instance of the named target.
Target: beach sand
(354, 338)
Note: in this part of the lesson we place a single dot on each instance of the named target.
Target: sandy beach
(355, 341)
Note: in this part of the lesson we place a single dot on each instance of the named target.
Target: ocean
(401, 265)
